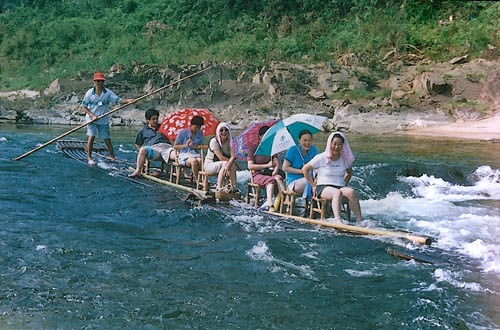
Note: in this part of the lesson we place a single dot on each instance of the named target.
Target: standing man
(96, 103)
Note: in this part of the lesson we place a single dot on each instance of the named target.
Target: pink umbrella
(248, 138)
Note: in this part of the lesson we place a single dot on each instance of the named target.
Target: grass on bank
(42, 40)
(358, 94)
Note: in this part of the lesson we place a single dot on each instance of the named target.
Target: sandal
(264, 207)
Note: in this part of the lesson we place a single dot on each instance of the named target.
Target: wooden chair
(164, 167)
(176, 170)
(320, 206)
(287, 204)
(202, 175)
(253, 191)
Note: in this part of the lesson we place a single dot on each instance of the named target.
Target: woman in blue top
(295, 160)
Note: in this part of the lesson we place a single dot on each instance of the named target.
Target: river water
(80, 248)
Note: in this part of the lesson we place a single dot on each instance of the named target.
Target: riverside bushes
(41, 39)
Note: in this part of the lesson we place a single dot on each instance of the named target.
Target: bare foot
(338, 220)
(113, 159)
(135, 174)
(91, 161)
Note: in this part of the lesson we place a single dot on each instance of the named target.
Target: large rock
(7, 115)
(431, 83)
(63, 86)
(332, 82)
(317, 95)
(491, 91)
(436, 85)
(466, 90)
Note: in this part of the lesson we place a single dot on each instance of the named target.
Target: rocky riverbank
(417, 94)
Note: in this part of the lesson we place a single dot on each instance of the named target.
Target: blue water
(80, 248)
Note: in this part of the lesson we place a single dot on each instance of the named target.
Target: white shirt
(214, 145)
(329, 172)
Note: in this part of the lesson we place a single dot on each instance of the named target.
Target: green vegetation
(458, 105)
(41, 40)
(360, 94)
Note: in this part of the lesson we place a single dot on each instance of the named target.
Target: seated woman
(187, 143)
(295, 159)
(265, 172)
(220, 156)
(334, 171)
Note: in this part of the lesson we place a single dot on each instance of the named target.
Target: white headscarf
(230, 137)
(346, 151)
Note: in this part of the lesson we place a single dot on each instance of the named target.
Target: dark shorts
(321, 187)
(264, 180)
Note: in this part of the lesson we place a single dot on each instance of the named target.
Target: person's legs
(163, 151)
(353, 201)
(104, 133)
(194, 163)
(299, 185)
(90, 145)
(335, 195)
(232, 176)
(280, 184)
(141, 158)
(197, 168)
(269, 194)
(281, 188)
(220, 177)
(109, 147)
(91, 133)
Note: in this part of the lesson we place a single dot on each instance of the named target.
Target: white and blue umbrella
(285, 133)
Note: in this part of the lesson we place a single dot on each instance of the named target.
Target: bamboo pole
(202, 195)
(359, 230)
(108, 113)
(407, 256)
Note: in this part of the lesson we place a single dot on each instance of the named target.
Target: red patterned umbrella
(174, 122)
(249, 137)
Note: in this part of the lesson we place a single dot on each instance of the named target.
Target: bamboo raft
(356, 229)
(77, 150)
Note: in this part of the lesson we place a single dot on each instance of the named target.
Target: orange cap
(99, 76)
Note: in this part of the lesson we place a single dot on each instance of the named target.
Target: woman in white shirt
(220, 156)
(333, 168)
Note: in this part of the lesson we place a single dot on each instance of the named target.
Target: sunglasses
(224, 130)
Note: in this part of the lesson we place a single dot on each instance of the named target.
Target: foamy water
(441, 210)
(261, 252)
